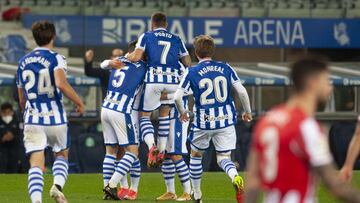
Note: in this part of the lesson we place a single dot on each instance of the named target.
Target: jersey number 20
(218, 85)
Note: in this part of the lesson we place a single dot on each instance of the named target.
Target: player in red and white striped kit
(289, 148)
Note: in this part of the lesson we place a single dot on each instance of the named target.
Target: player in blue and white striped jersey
(117, 121)
(215, 114)
(41, 80)
(164, 50)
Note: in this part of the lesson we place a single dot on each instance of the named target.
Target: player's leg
(163, 132)
(199, 141)
(225, 141)
(183, 172)
(126, 136)
(59, 140)
(111, 146)
(35, 143)
(124, 185)
(135, 173)
(168, 170)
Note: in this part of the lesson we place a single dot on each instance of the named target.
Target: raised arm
(352, 155)
(136, 55)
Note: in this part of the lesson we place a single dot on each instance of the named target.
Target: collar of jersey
(203, 60)
(160, 28)
(41, 48)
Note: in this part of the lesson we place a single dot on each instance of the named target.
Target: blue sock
(108, 168)
(168, 170)
(195, 173)
(135, 173)
(35, 184)
(183, 172)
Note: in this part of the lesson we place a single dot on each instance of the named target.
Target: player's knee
(63, 154)
(175, 158)
(222, 156)
(145, 114)
(196, 153)
(133, 149)
(111, 150)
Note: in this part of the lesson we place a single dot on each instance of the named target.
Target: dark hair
(6, 106)
(158, 19)
(43, 32)
(132, 45)
(204, 46)
(304, 68)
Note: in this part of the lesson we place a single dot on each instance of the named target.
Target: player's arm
(337, 187)
(186, 60)
(352, 155)
(178, 97)
(64, 86)
(317, 149)
(184, 55)
(22, 99)
(252, 188)
(138, 53)
(111, 64)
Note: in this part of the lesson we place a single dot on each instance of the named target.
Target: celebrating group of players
(156, 73)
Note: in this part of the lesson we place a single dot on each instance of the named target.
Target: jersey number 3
(218, 85)
(270, 140)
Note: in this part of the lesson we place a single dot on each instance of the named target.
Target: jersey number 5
(118, 73)
(219, 84)
(44, 83)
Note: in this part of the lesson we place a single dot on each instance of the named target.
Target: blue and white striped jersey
(36, 75)
(123, 86)
(211, 83)
(163, 50)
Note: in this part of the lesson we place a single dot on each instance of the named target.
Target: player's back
(285, 140)
(36, 75)
(123, 86)
(211, 82)
(163, 50)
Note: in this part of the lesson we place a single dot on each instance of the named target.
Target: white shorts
(223, 139)
(152, 93)
(176, 144)
(38, 137)
(118, 128)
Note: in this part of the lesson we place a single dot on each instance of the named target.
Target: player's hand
(116, 64)
(184, 117)
(247, 117)
(89, 55)
(164, 96)
(346, 173)
(80, 108)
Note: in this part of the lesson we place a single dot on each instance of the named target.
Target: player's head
(131, 46)
(116, 53)
(6, 112)
(204, 46)
(43, 32)
(311, 75)
(158, 20)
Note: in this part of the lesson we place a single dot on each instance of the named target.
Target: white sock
(168, 170)
(147, 131)
(35, 184)
(122, 169)
(149, 140)
(135, 172)
(60, 171)
(124, 182)
(195, 175)
(164, 129)
(183, 172)
(229, 168)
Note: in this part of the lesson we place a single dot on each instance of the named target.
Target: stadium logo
(111, 30)
(62, 30)
(341, 35)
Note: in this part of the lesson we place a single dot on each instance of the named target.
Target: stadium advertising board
(227, 32)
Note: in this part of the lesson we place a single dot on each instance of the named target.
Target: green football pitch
(216, 187)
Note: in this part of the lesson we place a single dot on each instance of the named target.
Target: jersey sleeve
(316, 146)
(61, 63)
(185, 82)
(183, 51)
(141, 43)
(233, 75)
